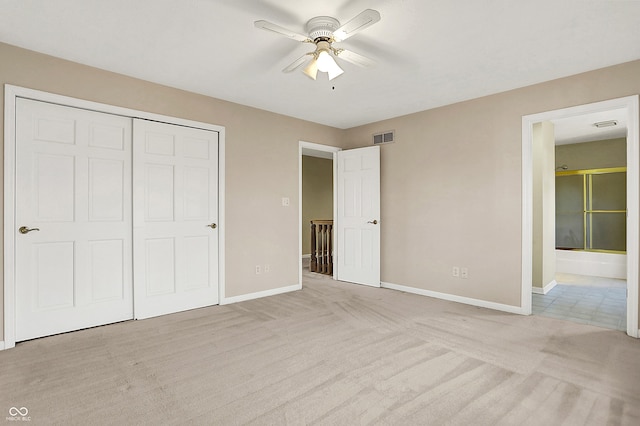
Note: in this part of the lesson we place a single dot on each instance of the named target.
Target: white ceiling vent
(384, 137)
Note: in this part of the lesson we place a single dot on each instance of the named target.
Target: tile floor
(588, 300)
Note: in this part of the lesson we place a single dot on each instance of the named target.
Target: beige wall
(317, 194)
(451, 184)
(544, 205)
(261, 158)
(593, 155)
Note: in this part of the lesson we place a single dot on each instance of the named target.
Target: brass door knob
(374, 221)
(212, 225)
(25, 230)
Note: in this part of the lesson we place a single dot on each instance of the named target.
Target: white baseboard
(454, 298)
(259, 294)
(2, 348)
(544, 290)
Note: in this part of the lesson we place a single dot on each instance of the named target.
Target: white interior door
(73, 203)
(175, 218)
(358, 216)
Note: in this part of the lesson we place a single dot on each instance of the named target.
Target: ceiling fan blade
(357, 24)
(265, 25)
(354, 58)
(296, 64)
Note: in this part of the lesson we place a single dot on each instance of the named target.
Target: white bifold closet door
(73, 204)
(175, 235)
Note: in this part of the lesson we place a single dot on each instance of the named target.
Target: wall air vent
(384, 137)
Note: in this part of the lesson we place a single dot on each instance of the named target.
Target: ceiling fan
(323, 32)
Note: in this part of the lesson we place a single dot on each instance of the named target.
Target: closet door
(73, 219)
(175, 204)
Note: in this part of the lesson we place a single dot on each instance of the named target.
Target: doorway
(356, 213)
(629, 108)
(320, 156)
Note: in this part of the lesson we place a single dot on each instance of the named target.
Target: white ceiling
(581, 128)
(429, 53)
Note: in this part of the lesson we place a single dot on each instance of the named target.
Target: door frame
(630, 103)
(302, 148)
(14, 92)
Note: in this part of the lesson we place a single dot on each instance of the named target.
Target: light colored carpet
(333, 353)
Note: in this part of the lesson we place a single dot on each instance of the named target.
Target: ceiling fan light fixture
(335, 71)
(324, 61)
(311, 70)
(327, 64)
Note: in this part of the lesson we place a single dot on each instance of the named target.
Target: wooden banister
(321, 246)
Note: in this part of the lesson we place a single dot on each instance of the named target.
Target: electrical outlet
(258, 269)
(464, 272)
(267, 269)
(455, 271)
(285, 202)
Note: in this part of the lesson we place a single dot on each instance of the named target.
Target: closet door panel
(73, 198)
(175, 215)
